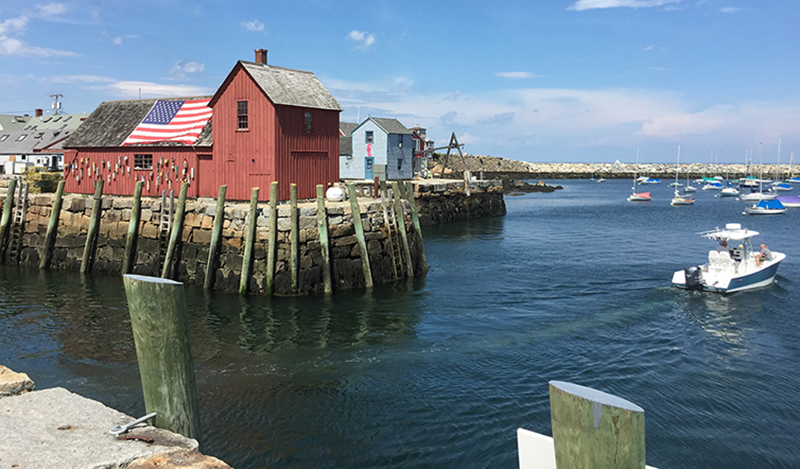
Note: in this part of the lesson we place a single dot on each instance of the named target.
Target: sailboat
(760, 194)
(641, 196)
(777, 184)
(792, 179)
(689, 188)
(679, 199)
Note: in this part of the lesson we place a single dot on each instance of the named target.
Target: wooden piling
(294, 236)
(401, 227)
(175, 232)
(94, 228)
(5, 221)
(52, 229)
(272, 240)
(160, 324)
(412, 203)
(592, 429)
(359, 229)
(131, 240)
(216, 237)
(249, 240)
(322, 228)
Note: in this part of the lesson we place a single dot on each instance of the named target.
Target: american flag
(172, 121)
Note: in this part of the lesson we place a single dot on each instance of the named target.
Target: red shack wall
(242, 159)
(306, 159)
(171, 166)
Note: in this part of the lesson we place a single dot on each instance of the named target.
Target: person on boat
(723, 247)
(764, 255)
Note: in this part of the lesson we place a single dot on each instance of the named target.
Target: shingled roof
(347, 128)
(113, 121)
(291, 87)
(39, 134)
(391, 126)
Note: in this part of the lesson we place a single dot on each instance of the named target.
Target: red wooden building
(268, 124)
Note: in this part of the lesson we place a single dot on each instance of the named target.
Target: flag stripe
(172, 121)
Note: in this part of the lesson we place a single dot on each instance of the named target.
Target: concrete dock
(57, 428)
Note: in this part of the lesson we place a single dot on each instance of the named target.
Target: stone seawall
(437, 203)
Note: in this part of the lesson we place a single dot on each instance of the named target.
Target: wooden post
(412, 203)
(401, 227)
(273, 236)
(160, 326)
(175, 232)
(362, 243)
(294, 236)
(592, 429)
(133, 230)
(52, 229)
(249, 239)
(322, 228)
(216, 236)
(94, 228)
(375, 187)
(5, 221)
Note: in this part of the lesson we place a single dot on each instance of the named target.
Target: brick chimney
(37, 113)
(261, 56)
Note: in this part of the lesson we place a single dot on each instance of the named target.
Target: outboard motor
(694, 277)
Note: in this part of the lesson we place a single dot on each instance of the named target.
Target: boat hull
(759, 278)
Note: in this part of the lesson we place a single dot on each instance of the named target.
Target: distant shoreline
(500, 168)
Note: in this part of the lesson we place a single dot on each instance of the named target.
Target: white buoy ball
(334, 194)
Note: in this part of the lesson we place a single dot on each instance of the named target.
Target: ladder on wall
(18, 224)
(165, 225)
(390, 222)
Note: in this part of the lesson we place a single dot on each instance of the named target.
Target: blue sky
(546, 80)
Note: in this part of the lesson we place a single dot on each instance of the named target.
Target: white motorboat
(689, 188)
(765, 207)
(730, 271)
(729, 192)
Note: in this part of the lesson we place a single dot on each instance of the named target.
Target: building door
(368, 162)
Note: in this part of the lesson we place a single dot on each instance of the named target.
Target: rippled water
(440, 372)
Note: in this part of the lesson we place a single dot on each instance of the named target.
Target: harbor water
(572, 285)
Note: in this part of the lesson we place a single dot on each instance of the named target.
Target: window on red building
(142, 162)
(241, 114)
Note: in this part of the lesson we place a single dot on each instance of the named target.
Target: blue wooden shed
(380, 147)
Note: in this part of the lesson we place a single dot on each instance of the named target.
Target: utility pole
(56, 104)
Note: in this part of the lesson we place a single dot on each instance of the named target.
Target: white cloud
(79, 79)
(52, 9)
(132, 89)
(181, 69)
(254, 25)
(731, 10)
(516, 75)
(12, 46)
(363, 39)
(523, 121)
(581, 5)
(13, 24)
(119, 39)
